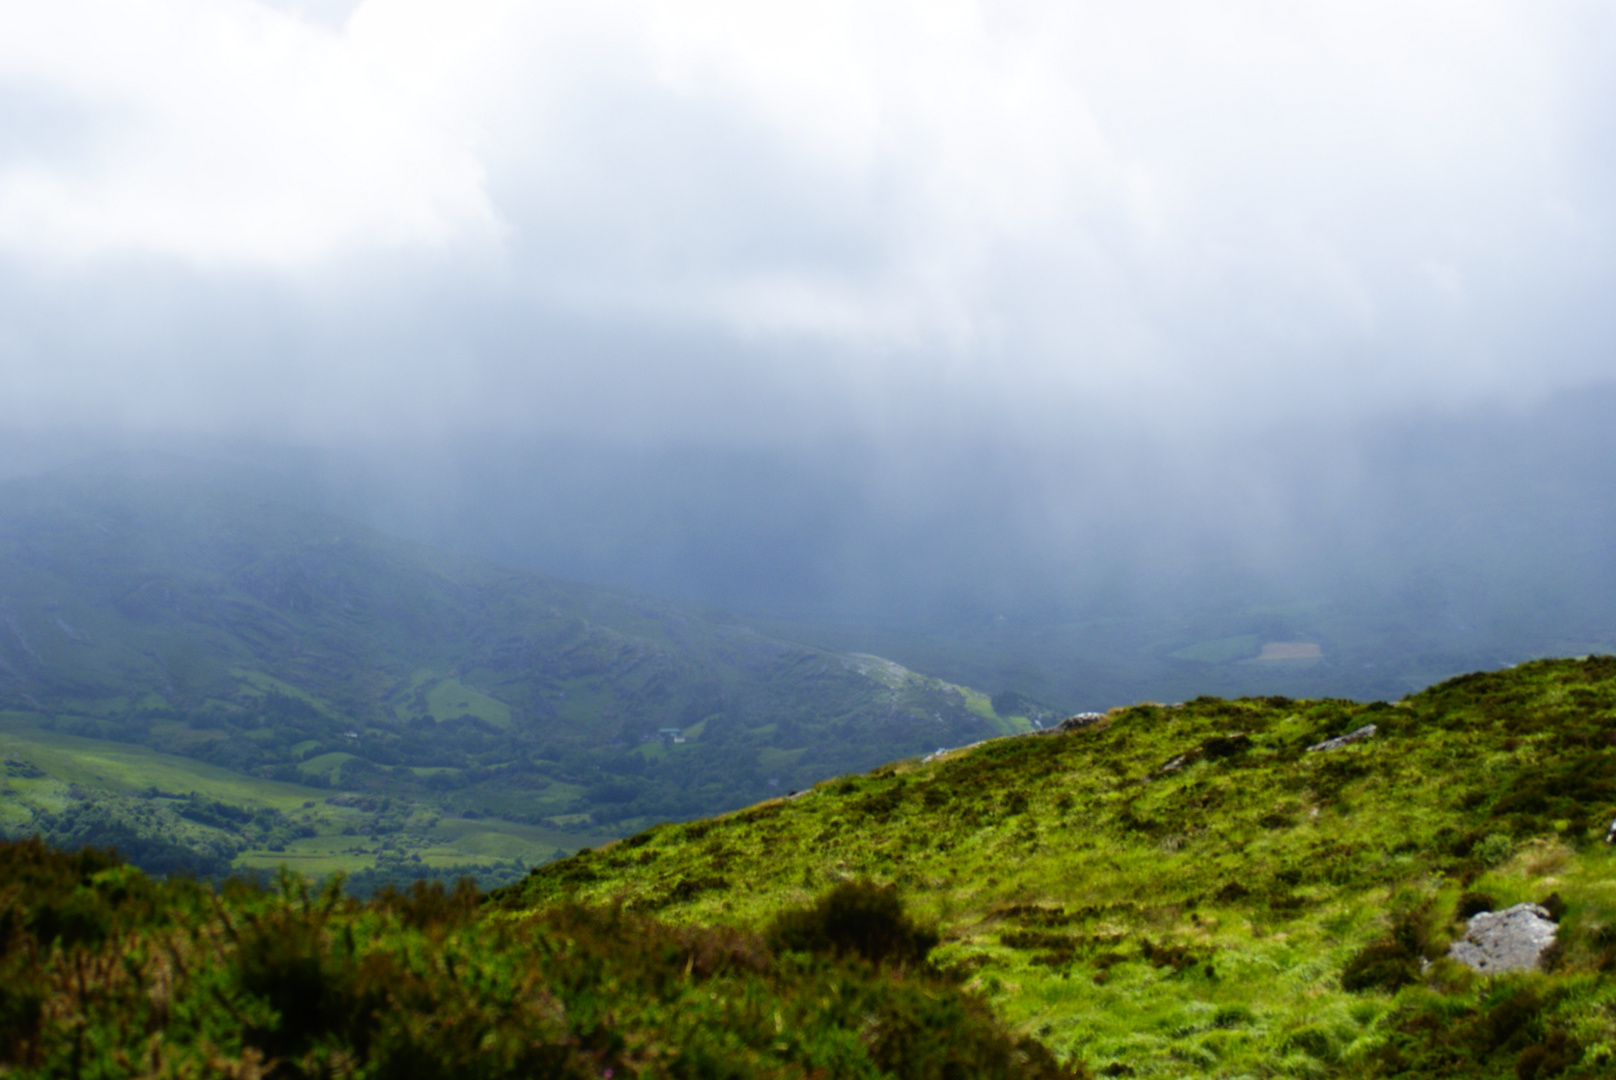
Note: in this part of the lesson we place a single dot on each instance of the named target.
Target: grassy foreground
(106, 973)
(1189, 891)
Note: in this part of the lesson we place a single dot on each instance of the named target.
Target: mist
(958, 331)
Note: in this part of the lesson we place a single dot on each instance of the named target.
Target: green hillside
(357, 702)
(1191, 891)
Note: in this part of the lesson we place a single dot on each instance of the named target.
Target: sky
(710, 296)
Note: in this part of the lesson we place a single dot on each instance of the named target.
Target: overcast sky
(315, 215)
(940, 231)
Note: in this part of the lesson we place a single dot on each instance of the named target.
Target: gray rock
(1508, 940)
(1081, 720)
(1365, 732)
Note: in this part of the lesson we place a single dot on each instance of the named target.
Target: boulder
(1508, 940)
(1081, 720)
(1365, 732)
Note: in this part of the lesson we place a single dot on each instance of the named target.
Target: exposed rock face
(1508, 940)
(1365, 732)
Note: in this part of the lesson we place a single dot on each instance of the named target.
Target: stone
(1081, 720)
(1365, 732)
(1510, 940)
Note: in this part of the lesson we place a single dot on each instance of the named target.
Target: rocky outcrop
(1510, 940)
(1081, 720)
(1365, 732)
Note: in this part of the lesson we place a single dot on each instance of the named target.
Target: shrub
(429, 904)
(1494, 849)
(1229, 1016)
(1226, 746)
(1549, 1058)
(855, 918)
(1381, 965)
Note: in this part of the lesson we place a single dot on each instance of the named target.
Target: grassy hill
(1191, 891)
(185, 667)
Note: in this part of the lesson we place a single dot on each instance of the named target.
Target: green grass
(68, 762)
(1220, 650)
(127, 767)
(265, 684)
(324, 764)
(1177, 890)
(773, 759)
(450, 698)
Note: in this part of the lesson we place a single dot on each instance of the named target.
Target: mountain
(1218, 888)
(184, 666)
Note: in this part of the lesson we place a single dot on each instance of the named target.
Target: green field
(45, 768)
(129, 768)
(449, 699)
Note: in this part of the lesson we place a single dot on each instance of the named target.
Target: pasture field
(347, 832)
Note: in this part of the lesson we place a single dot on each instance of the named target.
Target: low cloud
(1096, 274)
(1149, 206)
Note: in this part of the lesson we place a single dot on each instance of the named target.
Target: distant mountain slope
(293, 647)
(1195, 891)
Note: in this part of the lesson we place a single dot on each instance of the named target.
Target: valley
(388, 710)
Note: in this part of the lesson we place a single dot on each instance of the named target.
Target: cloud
(434, 216)
(227, 133)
